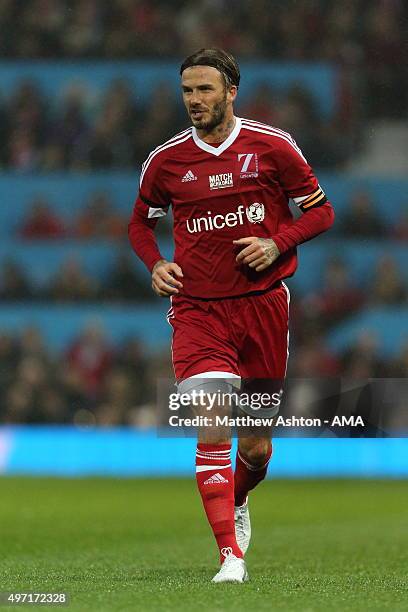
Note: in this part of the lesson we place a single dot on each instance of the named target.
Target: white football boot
(242, 526)
(232, 570)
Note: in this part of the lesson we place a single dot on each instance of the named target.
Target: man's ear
(232, 93)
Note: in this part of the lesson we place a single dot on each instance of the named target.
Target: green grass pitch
(145, 545)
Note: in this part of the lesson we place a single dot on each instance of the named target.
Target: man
(229, 181)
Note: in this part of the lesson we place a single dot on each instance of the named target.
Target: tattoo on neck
(224, 131)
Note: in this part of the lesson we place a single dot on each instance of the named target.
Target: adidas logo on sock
(216, 479)
(189, 176)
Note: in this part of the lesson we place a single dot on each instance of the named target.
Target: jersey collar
(205, 146)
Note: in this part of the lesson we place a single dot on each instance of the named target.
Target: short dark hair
(217, 58)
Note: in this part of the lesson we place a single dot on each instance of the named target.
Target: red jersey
(218, 194)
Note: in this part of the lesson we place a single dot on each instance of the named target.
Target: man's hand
(164, 282)
(259, 252)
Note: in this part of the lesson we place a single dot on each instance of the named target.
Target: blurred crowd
(116, 130)
(83, 132)
(71, 283)
(94, 382)
(354, 33)
(99, 220)
(338, 297)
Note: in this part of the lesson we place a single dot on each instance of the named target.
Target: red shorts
(246, 336)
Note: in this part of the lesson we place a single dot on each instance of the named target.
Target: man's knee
(256, 451)
(211, 397)
(208, 436)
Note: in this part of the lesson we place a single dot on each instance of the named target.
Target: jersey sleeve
(151, 204)
(152, 190)
(296, 177)
(299, 183)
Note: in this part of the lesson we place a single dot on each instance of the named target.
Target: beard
(217, 115)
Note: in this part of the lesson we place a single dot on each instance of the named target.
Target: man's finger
(168, 288)
(262, 266)
(252, 248)
(176, 269)
(168, 278)
(254, 257)
(166, 292)
(247, 240)
(257, 262)
(265, 262)
(158, 291)
(165, 287)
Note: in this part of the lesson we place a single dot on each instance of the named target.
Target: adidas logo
(189, 176)
(216, 479)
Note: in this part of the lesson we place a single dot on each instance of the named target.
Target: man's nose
(195, 98)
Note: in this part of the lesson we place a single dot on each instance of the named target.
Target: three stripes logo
(216, 479)
(189, 176)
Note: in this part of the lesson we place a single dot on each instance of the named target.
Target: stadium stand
(74, 132)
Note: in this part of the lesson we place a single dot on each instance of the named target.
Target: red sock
(247, 476)
(215, 480)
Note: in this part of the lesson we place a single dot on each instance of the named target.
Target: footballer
(229, 181)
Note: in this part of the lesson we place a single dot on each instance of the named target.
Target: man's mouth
(197, 113)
